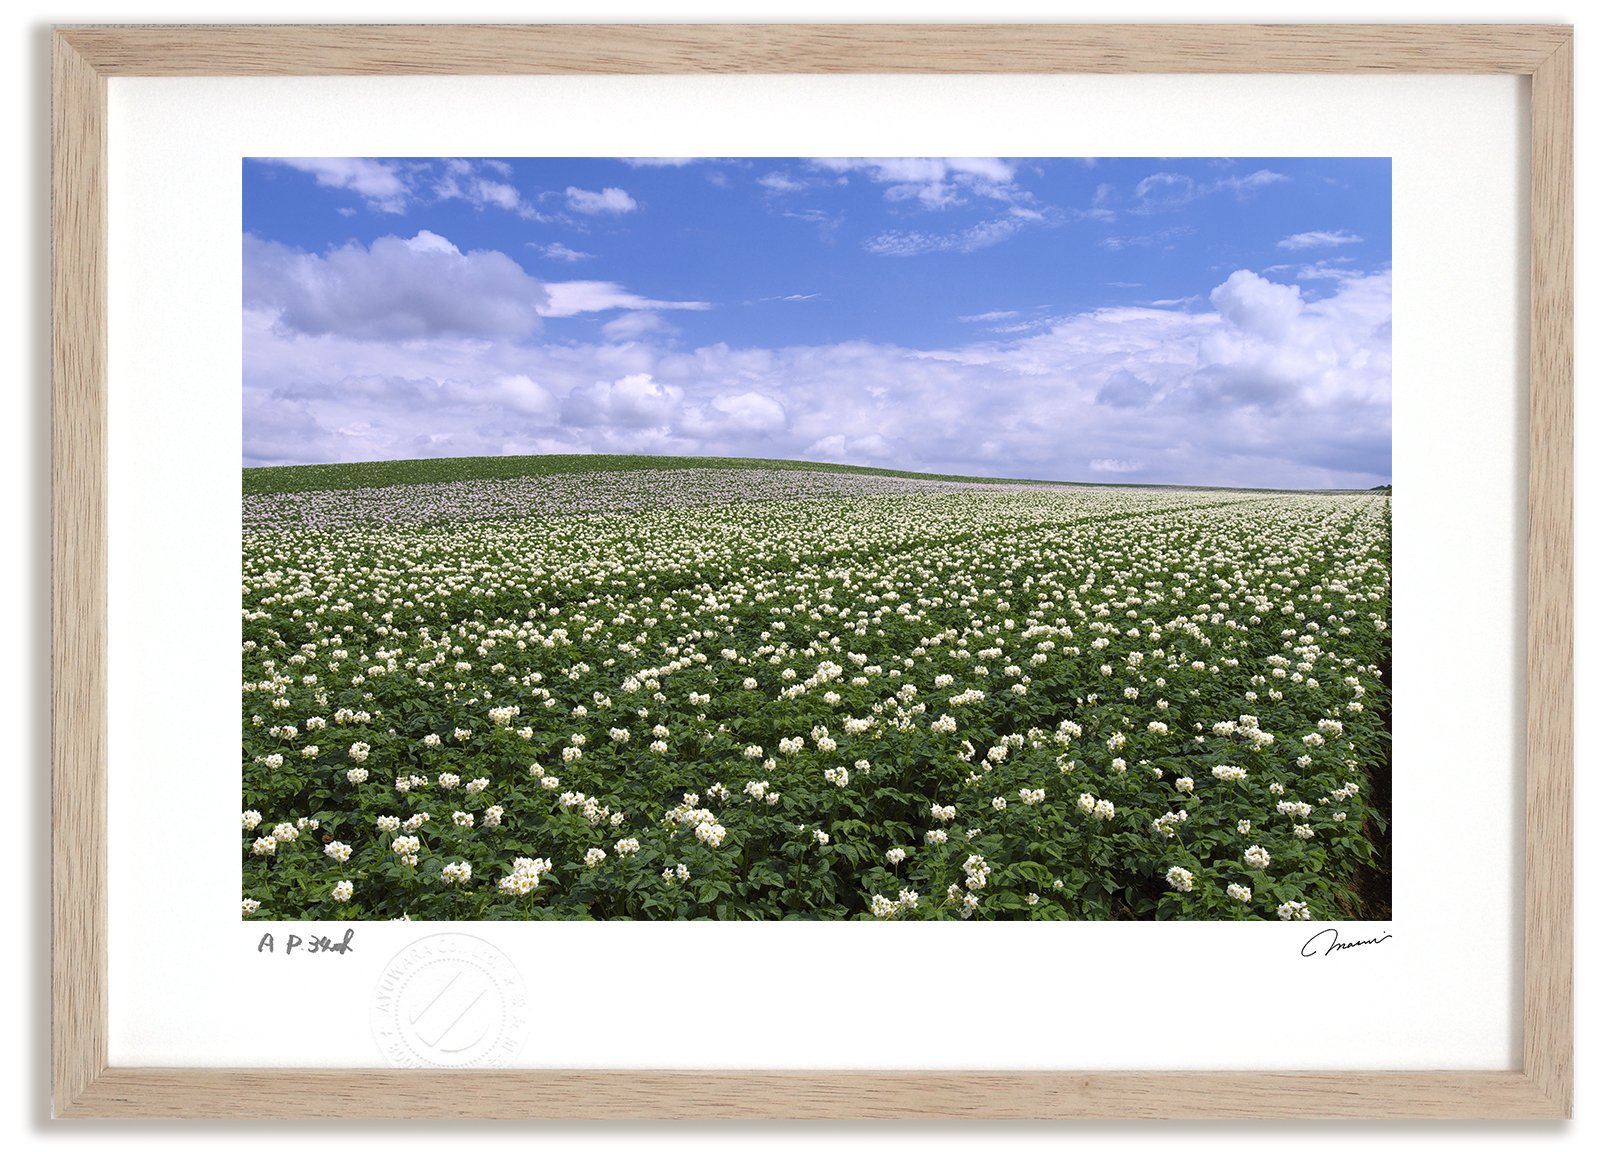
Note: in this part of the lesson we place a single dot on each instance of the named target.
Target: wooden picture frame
(85, 1085)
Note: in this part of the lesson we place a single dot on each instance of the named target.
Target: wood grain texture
(634, 1095)
(78, 582)
(493, 50)
(84, 1085)
(1548, 893)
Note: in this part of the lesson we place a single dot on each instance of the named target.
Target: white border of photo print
(184, 970)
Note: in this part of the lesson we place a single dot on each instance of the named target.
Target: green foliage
(762, 710)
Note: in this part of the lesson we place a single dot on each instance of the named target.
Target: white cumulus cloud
(396, 289)
(635, 325)
(607, 201)
(933, 181)
(559, 251)
(780, 182)
(751, 412)
(465, 180)
(634, 401)
(1256, 305)
(381, 184)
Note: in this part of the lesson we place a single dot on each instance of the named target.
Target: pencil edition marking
(1312, 948)
(313, 945)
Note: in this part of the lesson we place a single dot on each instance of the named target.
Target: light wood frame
(83, 1083)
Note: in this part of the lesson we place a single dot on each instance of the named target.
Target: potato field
(671, 689)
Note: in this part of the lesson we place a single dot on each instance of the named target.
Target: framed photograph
(943, 517)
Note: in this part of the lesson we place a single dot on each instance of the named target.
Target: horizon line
(867, 468)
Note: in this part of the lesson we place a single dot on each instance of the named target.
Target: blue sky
(1160, 320)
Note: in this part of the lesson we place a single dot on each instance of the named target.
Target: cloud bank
(414, 348)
